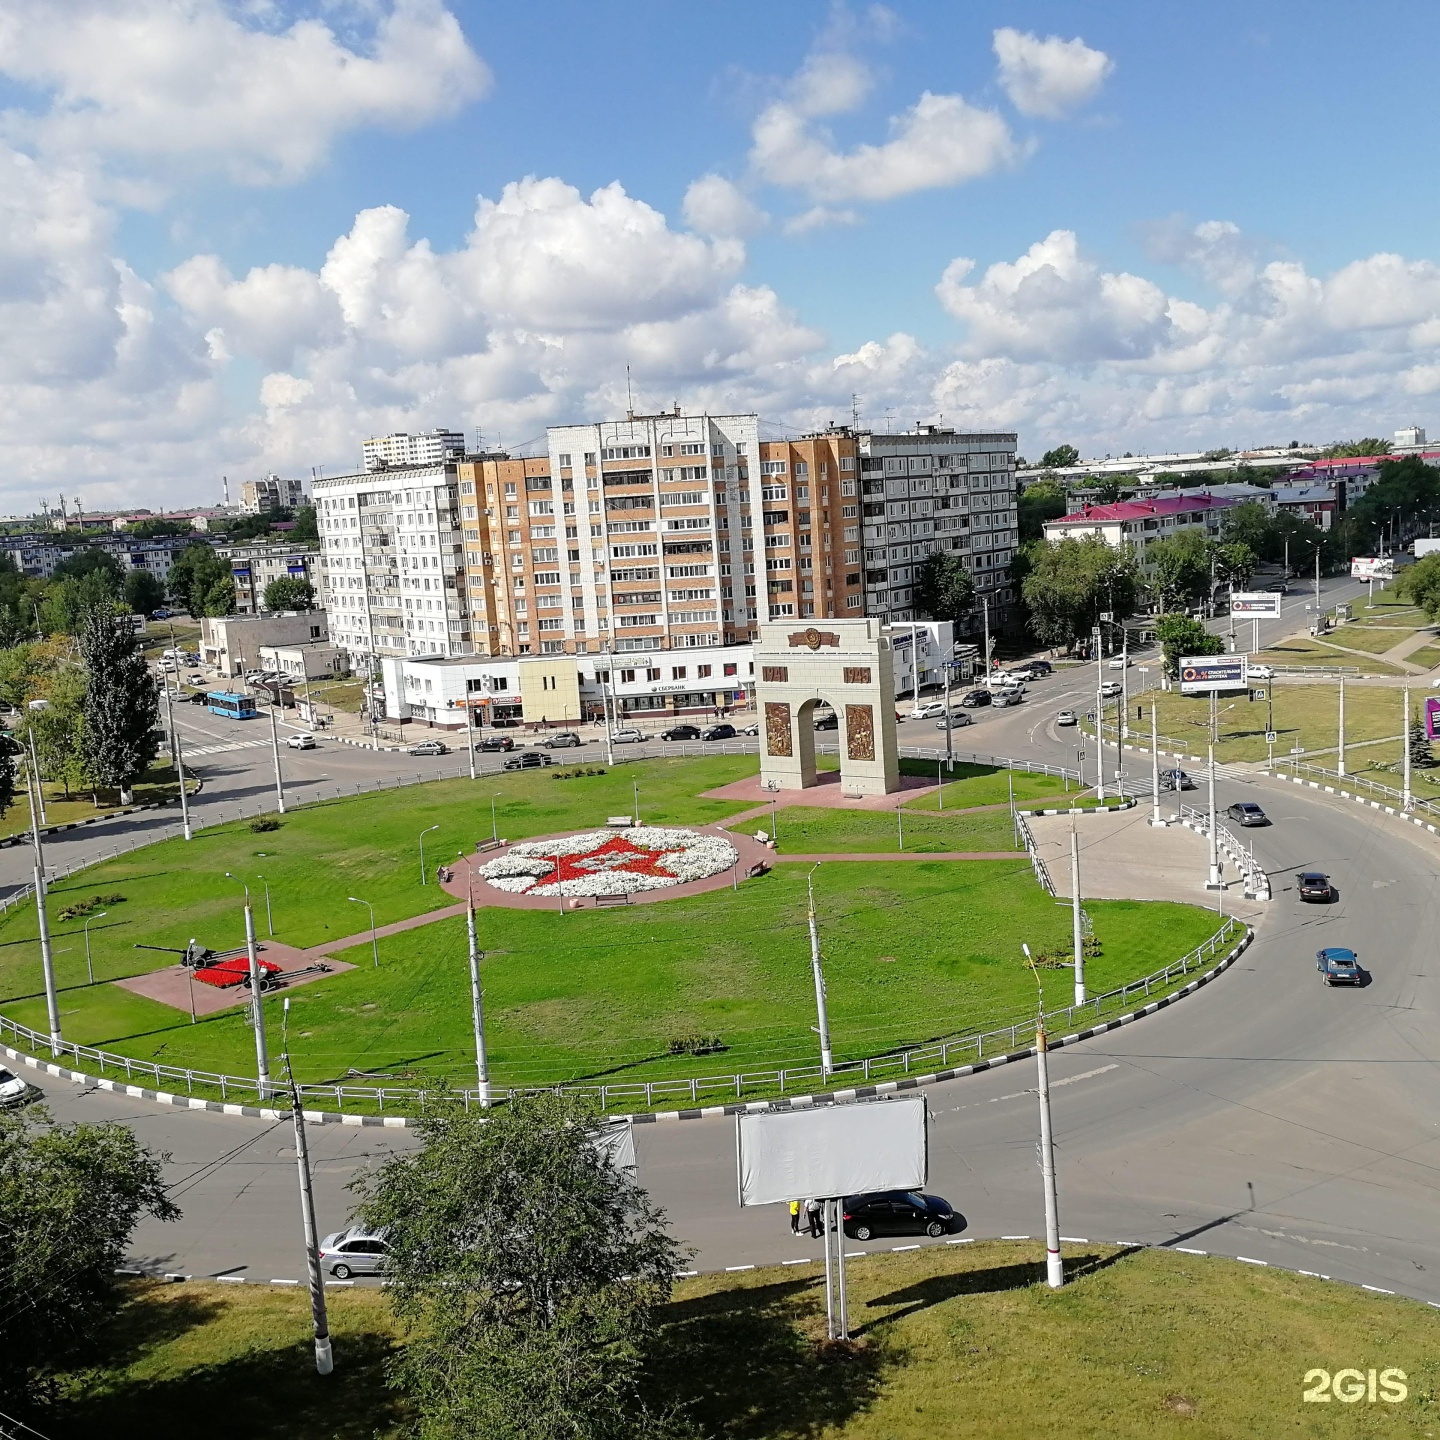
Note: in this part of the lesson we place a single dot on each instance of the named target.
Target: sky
(242, 237)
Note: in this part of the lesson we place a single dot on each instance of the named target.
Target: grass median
(963, 1342)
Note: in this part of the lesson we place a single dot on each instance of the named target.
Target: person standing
(794, 1217)
(817, 1226)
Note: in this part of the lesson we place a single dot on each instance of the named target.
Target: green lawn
(970, 785)
(1427, 655)
(953, 1343)
(801, 830)
(157, 784)
(1373, 639)
(1302, 651)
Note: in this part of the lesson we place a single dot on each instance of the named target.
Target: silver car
(354, 1252)
(13, 1090)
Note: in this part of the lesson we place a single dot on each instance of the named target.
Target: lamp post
(827, 1059)
(1078, 936)
(179, 760)
(494, 825)
(35, 770)
(1054, 1268)
(257, 1007)
(1099, 716)
(374, 946)
(89, 968)
(423, 834)
(1406, 798)
(269, 918)
(1214, 880)
(1154, 764)
(477, 999)
(42, 919)
(1340, 764)
(275, 746)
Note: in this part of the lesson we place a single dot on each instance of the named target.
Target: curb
(1129, 803)
(365, 744)
(1358, 800)
(24, 837)
(751, 1107)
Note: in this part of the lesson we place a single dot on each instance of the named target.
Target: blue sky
(243, 236)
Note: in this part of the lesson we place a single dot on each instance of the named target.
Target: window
(653, 673)
(847, 462)
(556, 624)
(772, 467)
(564, 462)
(703, 671)
(629, 622)
(731, 668)
(688, 497)
(777, 492)
(622, 452)
(677, 672)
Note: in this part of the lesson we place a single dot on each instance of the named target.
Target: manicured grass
(970, 785)
(157, 784)
(801, 830)
(952, 1343)
(338, 694)
(1303, 651)
(1373, 639)
(1427, 655)
(913, 950)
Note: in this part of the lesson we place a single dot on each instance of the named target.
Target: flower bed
(600, 862)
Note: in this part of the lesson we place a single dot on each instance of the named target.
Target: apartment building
(935, 489)
(397, 451)
(254, 566)
(1135, 525)
(36, 556)
(271, 493)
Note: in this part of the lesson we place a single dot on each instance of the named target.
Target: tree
(1108, 492)
(251, 527)
(1420, 746)
(89, 562)
(1070, 583)
(1042, 501)
(1406, 491)
(306, 526)
(1235, 563)
(1180, 635)
(528, 1272)
(1420, 585)
(202, 582)
(121, 706)
(1355, 449)
(70, 1197)
(1179, 567)
(154, 529)
(943, 587)
(1060, 458)
(70, 598)
(59, 727)
(1249, 523)
(290, 592)
(143, 592)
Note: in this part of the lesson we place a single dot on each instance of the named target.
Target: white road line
(230, 1279)
(733, 1269)
(1014, 1237)
(1246, 1260)
(1185, 1250)
(1377, 1289)
(1073, 1240)
(898, 1248)
(806, 1261)
(284, 1282)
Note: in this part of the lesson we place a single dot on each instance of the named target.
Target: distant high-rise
(392, 452)
(271, 493)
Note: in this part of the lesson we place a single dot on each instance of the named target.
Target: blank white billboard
(832, 1150)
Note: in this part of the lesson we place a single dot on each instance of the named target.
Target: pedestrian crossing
(195, 751)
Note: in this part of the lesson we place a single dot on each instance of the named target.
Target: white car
(928, 711)
(301, 742)
(1067, 717)
(1111, 688)
(1119, 662)
(1259, 672)
(13, 1090)
(628, 737)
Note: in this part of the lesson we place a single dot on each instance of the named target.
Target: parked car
(430, 747)
(719, 732)
(1338, 966)
(1260, 672)
(898, 1212)
(829, 720)
(1278, 588)
(252, 676)
(955, 720)
(1314, 887)
(354, 1252)
(750, 729)
(1175, 780)
(1001, 681)
(1246, 812)
(1110, 689)
(681, 732)
(1118, 662)
(528, 760)
(161, 614)
(973, 699)
(1040, 667)
(305, 741)
(1067, 717)
(1005, 698)
(628, 736)
(496, 742)
(927, 711)
(13, 1090)
(562, 740)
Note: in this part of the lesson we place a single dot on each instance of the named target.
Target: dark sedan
(973, 699)
(829, 720)
(681, 732)
(527, 760)
(719, 732)
(1315, 887)
(1338, 966)
(496, 742)
(1175, 780)
(899, 1212)
(1245, 812)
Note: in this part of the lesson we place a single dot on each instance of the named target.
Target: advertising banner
(1370, 567)
(1259, 606)
(1432, 709)
(1200, 674)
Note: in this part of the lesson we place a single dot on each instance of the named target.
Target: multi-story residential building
(395, 452)
(36, 556)
(255, 565)
(1135, 525)
(933, 489)
(393, 576)
(271, 493)
(232, 643)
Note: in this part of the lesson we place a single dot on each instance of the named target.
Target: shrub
(79, 909)
(265, 824)
(696, 1045)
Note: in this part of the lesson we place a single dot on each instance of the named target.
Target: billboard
(1200, 674)
(832, 1150)
(1432, 709)
(1369, 567)
(1258, 605)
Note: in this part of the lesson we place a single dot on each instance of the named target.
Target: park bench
(481, 846)
(757, 869)
(602, 900)
(621, 822)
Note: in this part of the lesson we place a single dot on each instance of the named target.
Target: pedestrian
(794, 1217)
(817, 1224)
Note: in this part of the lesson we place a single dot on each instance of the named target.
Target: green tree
(1420, 585)
(22, 668)
(1235, 563)
(306, 525)
(156, 528)
(1179, 568)
(70, 1197)
(1249, 523)
(1108, 492)
(202, 582)
(528, 1271)
(1420, 753)
(69, 599)
(89, 562)
(121, 707)
(252, 527)
(1070, 583)
(1042, 501)
(1180, 635)
(1060, 458)
(1406, 491)
(289, 592)
(143, 592)
(59, 727)
(1355, 449)
(943, 588)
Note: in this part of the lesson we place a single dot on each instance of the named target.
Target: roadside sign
(1271, 737)
(1259, 694)
(1432, 717)
(1369, 567)
(1258, 605)
(1297, 750)
(1201, 674)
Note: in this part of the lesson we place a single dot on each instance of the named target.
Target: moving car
(928, 711)
(13, 1090)
(681, 732)
(527, 760)
(719, 732)
(1110, 689)
(496, 742)
(1175, 780)
(1001, 681)
(1260, 672)
(953, 721)
(1040, 667)
(430, 747)
(973, 699)
(1007, 697)
(562, 740)
(1278, 588)
(1118, 662)
(354, 1252)
(1245, 812)
(628, 736)
(1338, 966)
(828, 721)
(301, 742)
(1314, 887)
(1067, 717)
(898, 1212)
(750, 729)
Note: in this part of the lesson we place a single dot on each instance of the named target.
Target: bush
(81, 908)
(696, 1045)
(265, 824)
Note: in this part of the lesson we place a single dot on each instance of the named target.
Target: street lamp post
(1154, 764)
(1214, 880)
(269, 917)
(1099, 716)
(179, 760)
(39, 783)
(1340, 763)
(1406, 798)
(374, 945)
(257, 1007)
(477, 1001)
(827, 1059)
(89, 968)
(423, 834)
(1079, 936)
(275, 746)
(494, 825)
(42, 919)
(1054, 1267)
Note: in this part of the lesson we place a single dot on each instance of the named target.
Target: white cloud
(717, 206)
(1048, 77)
(819, 217)
(193, 85)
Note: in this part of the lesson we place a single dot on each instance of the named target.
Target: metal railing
(1360, 783)
(1257, 882)
(1042, 874)
(943, 1054)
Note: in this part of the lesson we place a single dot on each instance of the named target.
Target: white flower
(596, 862)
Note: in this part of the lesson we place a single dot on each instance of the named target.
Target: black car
(1338, 966)
(527, 760)
(1039, 667)
(1245, 812)
(1314, 886)
(899, 1212)
(1175, 780)
(719, 732)
(496, 742)
(973, 699)
(681, 732)
(828, 721)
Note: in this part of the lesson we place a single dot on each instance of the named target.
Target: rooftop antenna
(855, 409)
(629, 397)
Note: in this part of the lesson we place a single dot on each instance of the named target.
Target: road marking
(1377, 1289)
(230, 1279)
(1073, 1240)
(1020, 1094)
(1185, 1250)
(855, 1254)
(1014, 1237)
(1246, 1260)
(284, 1282)
(968, 1240)
(806, 1261)
(733, 1269)
(898, 1248)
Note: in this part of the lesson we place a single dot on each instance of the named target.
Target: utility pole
(1099, 716)
(324, 1352)
(1319, 615)
(35, 770)
(827, 1060)
(1154, 763)
(1079, 936)
(275, 746)
(179, 760)
(470, 733)
(477, 1006)
(985, 611)
(1340, 764)
(1407, 799)
(1054, 1269)
(1214, 881)
(949, 728)
(1124, 734)
(605, 705)
(47, 960)
(257, 1007)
